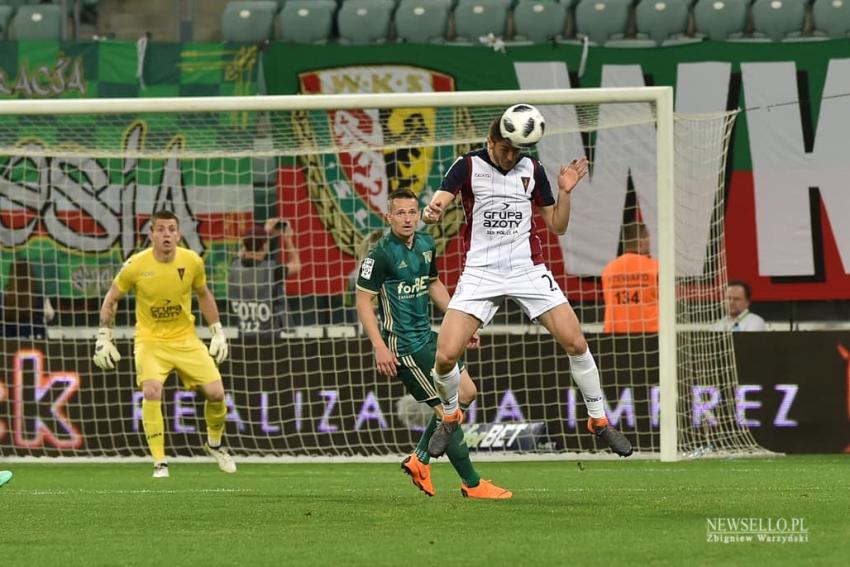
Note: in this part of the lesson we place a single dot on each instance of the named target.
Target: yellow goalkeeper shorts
(189, 357)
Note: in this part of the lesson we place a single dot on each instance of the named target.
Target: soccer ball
(522, 126)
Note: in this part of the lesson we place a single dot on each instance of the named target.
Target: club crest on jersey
(525, 181)
(366, 268)
(427, 255)
(180, 272)
(377, 151)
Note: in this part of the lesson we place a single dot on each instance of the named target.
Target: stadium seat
(364, 21)
(602, 20)
(248, 21)
(307, 21)
(720, 19)
(447, 4)
(661, 20)
(5, 16)
(43, 21)
(831, 18)
(422, 21)
(69, 4)
(778, 19)
(539, 20)
(15, 4)
(478, 18)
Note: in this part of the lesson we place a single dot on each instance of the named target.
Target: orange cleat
(485, 490)
(419, 473)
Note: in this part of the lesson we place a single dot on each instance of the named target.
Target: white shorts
(480, 292)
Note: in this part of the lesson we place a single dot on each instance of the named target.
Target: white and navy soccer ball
(522, 126)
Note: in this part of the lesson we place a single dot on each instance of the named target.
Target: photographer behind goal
(255, 286)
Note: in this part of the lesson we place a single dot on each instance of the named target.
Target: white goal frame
(660, 97)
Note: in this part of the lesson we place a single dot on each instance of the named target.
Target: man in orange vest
(630, 285)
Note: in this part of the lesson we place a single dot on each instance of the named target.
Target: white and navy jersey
(500, 234)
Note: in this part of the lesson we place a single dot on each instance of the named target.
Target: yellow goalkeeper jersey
(163, 292)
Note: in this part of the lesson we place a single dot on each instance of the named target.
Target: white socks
(586, 377)
(447, 387)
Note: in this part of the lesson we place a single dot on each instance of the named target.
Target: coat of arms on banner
(364, 154)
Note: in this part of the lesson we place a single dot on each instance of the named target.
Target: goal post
(667, 365)
(80, 178)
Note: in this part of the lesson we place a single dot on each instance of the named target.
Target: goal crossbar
(270, 103)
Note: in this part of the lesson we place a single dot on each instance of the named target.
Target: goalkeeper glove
(105, 353)
(218, 344)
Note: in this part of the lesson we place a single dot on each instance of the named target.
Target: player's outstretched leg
(5, 476)
(618, 443)
(417, 465)
(586, 376)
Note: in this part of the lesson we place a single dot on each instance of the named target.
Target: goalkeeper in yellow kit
(164, 277)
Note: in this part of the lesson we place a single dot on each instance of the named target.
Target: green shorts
(415, 373)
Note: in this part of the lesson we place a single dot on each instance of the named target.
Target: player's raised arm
(218, 344)
(105, 353)
(557, 217)
(433, 211)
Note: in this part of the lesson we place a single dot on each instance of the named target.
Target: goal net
(79, 181)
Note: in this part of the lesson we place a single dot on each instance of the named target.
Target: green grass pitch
(562, 513)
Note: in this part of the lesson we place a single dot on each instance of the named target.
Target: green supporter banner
(787, 169)
(74, 219)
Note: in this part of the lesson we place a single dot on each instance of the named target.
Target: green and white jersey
(400, 277)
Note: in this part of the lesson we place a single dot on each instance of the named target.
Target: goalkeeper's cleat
(618, 443)
(225, 461)
(160, 470)
(443, 434)
(419, 473)
(485, 490)
(5, 476)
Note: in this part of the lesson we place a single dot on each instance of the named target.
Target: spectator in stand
(630, 285)
(739, 317)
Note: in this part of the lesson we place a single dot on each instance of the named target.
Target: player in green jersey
(401, 272)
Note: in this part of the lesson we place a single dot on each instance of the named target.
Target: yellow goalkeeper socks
(215, 412)
(154, 427)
